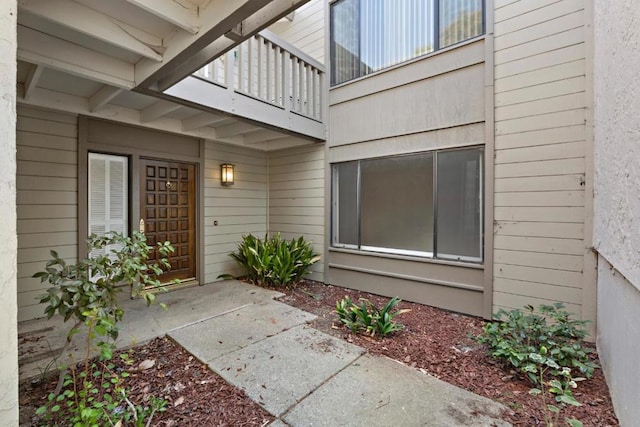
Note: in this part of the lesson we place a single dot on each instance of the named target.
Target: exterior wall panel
(47, 198)
(541, 172)
(306, 31)
(296, 197)
(430, 103)
(239, 210)
(617, 199)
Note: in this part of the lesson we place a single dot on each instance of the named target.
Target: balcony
(265, 81)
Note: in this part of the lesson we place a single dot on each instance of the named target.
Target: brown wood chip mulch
(196, 396)
(434, 341)
(437, 342)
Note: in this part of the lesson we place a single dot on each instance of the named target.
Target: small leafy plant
(274, 261)
(545, 352)
(523, 333)
(559, 392)
(366, 317)
(88, 292)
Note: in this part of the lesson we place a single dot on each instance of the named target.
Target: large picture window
(369, 35)
(427, 204)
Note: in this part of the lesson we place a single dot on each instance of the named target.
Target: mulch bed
(434, 341)
(437, 342)
(196, 396)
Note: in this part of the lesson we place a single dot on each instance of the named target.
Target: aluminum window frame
(435, 25)
(334, 216)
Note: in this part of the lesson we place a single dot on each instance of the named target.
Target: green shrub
(88, 292)
(366, 317)
(529, 343)
(275, 261)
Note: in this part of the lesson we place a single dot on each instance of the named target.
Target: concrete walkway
(299, 374)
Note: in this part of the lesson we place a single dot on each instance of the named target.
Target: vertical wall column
(8, 249)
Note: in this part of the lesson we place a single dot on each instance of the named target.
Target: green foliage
(521, 334)
(275, 261)
(88, 291)
(559, 391)
(366, 317)
(94, 282)
(97, 396)
(545, 347)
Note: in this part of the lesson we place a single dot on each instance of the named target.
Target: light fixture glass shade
(226, 174)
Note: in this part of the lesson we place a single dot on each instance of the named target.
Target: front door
(167, 206)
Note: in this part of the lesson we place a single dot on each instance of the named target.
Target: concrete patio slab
(41, 340)
(279, 371)
(377, 391)
(223, 334)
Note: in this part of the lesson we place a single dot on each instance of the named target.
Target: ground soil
(437, 342)
(195, 395)
(433, 341)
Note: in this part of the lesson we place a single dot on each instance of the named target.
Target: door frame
(134, 153)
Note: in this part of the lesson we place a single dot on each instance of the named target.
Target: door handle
(142, 225)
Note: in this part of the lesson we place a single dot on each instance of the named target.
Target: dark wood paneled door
(167, 206)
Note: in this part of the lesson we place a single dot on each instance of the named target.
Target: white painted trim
(157, 110)
(91, 23)
(201, 120)
(183, 14)
(217, 18)
(42, 49)
(251, 25)
(103, 96)
(32, 79)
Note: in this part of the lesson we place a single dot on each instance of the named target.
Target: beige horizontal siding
(240, 209)
(296, 197)
(306, 31)
(47, 186)
(540, 166)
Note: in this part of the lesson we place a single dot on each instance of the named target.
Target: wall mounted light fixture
(227, 174)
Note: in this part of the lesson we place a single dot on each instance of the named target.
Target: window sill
(476, 266)
(411, 61)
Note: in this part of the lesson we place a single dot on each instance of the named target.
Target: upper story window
(369, 35)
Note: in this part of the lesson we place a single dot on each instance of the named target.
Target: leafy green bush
(274, 261)
(529, 343)
(88, 292)
(366, 317)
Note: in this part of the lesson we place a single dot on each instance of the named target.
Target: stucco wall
(8, 249)
(617, 199)
(618, 347)
(617, 135)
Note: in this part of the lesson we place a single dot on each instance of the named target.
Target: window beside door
(108, 195)
(426, 205)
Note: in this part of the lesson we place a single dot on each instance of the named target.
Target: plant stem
(64, 372)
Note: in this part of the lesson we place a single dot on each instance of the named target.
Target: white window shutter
(108, 194)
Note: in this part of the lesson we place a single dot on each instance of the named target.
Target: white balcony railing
(268, 69)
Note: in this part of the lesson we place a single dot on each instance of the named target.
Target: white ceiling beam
(201, 120)
(182, 14)
(157, 110)
(103, 96)
(234, 129)
(261, 136)
(41, 49)
(32, 80)
(217, 18)
(278, 144)
(234, 36)
(90, 22)
(45, 98)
